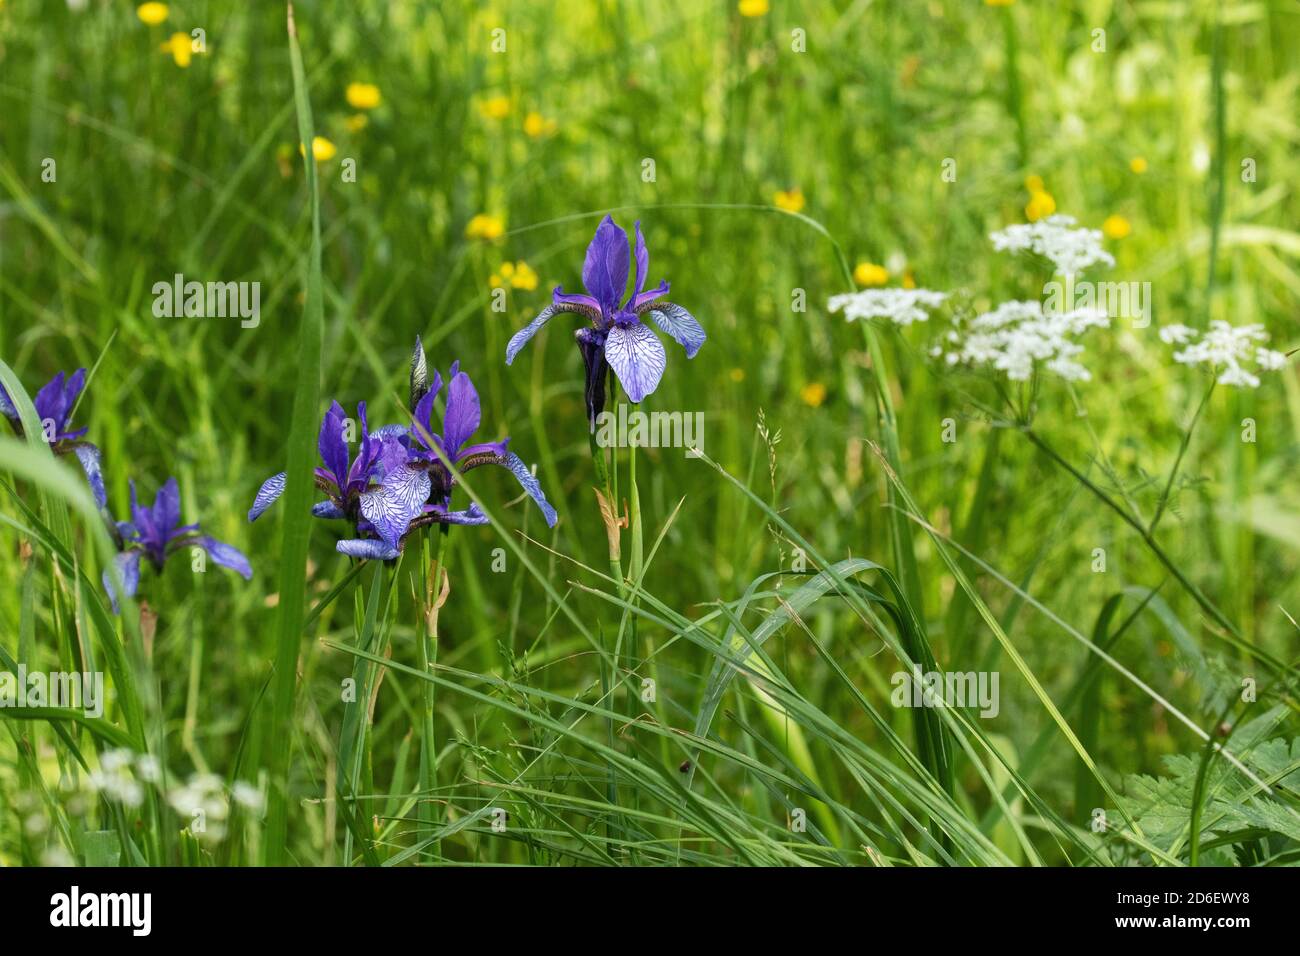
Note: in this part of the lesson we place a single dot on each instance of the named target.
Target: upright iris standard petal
(463, 414)
(604, 272)
(637, 357)
(271, 489)
(521, 338)
(331, 445)
(642, 256)
(88, 455)
(368, 549)
(167, 509)
(681, 325)
(128, 566)
(51, 404)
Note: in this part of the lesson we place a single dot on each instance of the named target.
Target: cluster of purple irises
(153, 532)
(401, 477)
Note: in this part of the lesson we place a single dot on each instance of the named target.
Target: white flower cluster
(1228, 347)
(123, 774)
(1058, 238)
(900, 306)
(119, 774)
(1016, 335)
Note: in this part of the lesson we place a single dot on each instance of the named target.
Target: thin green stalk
(1206, 604)
(1182, 450)
(427, 642)
(298, 486)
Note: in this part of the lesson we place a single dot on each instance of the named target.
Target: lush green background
(163, 170)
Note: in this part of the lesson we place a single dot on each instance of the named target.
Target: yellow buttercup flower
(1034, 184)
(1040, 205)
(791, 200)
(868, 273)
(1116, 227)
(495, 107)
(813, 394)
(362, 96)
(752, 8)
(523, 276)
(357, 122)
(998, 3)
(151, 13)
(736, 375)
(180, 47)
(537, 125)
(517, 275)
(322, 150)
(483, 226)
(1138, 164)
(909, 280)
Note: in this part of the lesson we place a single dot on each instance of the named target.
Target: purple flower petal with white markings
(368, 549)
(637, 357)
(681, 325)
(128, 566)
(271, 489)
(88, 455)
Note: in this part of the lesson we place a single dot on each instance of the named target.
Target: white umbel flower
(900, 306)
(1231, 349)
(1071, 248)
(1017, 335)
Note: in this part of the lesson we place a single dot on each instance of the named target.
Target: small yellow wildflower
(322, 150)
(791, 200)
(868, 273)
(151, 13)
(813, 394)
(495, 107)
(517, 275)
(1116, 227)
(752, 8)
(1034, 184)
(1040, 205)
(180, 47)
(909, 280)
(357, 122)
(737, 375)
(537, 125)
(483, 226)
(1138, 164)
(362, 96)
(998, 3)
(524, 277)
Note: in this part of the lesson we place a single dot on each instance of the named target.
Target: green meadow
(718, 655)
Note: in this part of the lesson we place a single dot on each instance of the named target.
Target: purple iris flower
(413, 470)
(617, 337)
(54, 404)
(156, 533)
(353, 485)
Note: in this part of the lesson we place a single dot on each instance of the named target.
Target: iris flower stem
(433, 579)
